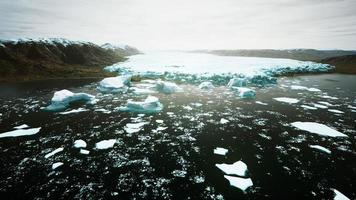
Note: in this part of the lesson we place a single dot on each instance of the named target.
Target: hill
(343, 64)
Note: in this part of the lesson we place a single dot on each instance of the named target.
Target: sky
(186, 24)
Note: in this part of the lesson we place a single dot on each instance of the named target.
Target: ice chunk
(74, 111)
(286, 100)
(223, 121)
(339, 195)
(237, 82)
(335, 111)
(141, 91)
(20, 132)
(56, 165)
(206, 85)
(308, 107)
(23, 126)
(238, 168)
(134, 127)
(241, 183)
(321, 148)
(245, 92)
(220, 151)
(150, 105)
(114, 84)
(105, 144)
(54, 152)
(83, 151)
(317, 128)
(320, 106)
(80, 144)
(261, 103)
(63, 98)
(167, 87)
(298, 87)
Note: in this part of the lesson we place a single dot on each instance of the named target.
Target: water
(174, 158)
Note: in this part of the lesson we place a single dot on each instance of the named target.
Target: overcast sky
(186, 24)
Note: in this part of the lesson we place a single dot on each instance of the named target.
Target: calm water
(178, 162)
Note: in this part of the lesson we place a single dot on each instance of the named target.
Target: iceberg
(241, 183)
(150, 105)
(245, 93)
(63, 98)
(105, 144)
(80, 144)
(237, 82)
(317, 128)
(238, 168)
(167, 87)
(114, 84)
(20, 132)
(339, 195)
(206, 85)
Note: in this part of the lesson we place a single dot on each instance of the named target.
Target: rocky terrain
(28, 59)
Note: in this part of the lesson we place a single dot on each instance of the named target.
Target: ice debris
(167, 87)
(20, 132)
(317, 128)
(54, 152)
(223, 121)
(134, 127)
(245, 93)
(237, 82)
(220, 151)
(206, 85)
(150, 105)
(56, 165)
(286, 100)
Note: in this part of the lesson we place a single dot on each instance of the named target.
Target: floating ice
(83, 151)
(150, 105)
(335, 111)
(63, 98)
(237, 82)
(317, 128)
(80, 144)
(134, 127)
(20, 132)
(54, 152)
(261, 103)
(167, 87)
(206, 85)
(114, 84)
(308, 107)
(23, 126)
(241, 183)
(321, 148)
(56, 165)
(220, 151)
(298, 87)
(74, 111)
(245, 92)
(339, 195)
(325, 103)
(141, 91)
(238, 168)
(328, 97)
(286, 100)
(105, 144)
(179, 173)
(223, 121)
(320, 106)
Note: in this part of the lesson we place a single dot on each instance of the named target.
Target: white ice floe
(83, 151)
(206, 85)
(220, 151)
(74, 111)
(80, 144)
(134, 127)
(328, 97)
(244, 92)
(321, 148)
(167, 87)
(336, 111)
(241, 183)
(298, 87)
(160, 121)
(320, 106)
(54, 152)
(56, 165)
(105, 144)
(339, 195)
(238, 168)
(150, 105)
(351, 107)
(237, 82)
(20, 132)
(325, 103)
(223, 121)
(63, 98)
(317, 128)
(114, 84)
(308, 107)
(286, 100)
(23, 126)
(261, 103)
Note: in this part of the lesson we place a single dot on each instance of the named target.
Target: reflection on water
(171, 154)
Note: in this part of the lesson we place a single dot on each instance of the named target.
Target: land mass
(57, 58)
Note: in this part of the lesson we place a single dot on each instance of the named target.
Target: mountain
(296, 54)
(27, 59)
(121, 49)
(343, 64)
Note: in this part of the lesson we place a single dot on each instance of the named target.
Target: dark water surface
(178, 162)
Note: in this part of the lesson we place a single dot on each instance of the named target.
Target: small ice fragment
(320, 106)
(223, 121)
(351, 107)
(298, 87)
(286, 100)
(20, 132)
(335, 111)
(134, 127)
(339, 195)
(83, 151)
(238, 168)
(187, 107)
(308, 107)
(317, 128)
(241, 183)
(105, 144)
(56, 165)
(244, 92)
(23, 126)
(328, 97)
(237, 82)
(80, 144)
(179, 173)
(261, 103)
(314, 90)
(159, 121)
(321, 148)
(207, 85)
(54, 152)
(74, 111)
(167, 87)
(325, 103)
(150, 105)
(220, 151)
